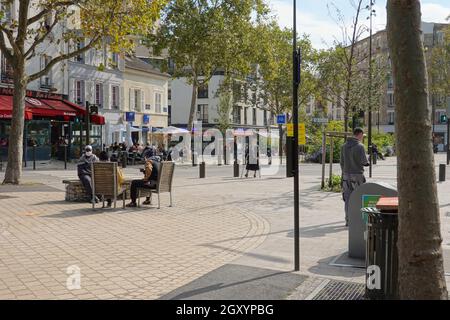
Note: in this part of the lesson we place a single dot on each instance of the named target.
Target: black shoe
(96, 200)
(108, 203)
(147, 202)
(131, 205)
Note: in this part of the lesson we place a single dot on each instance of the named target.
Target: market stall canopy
(267, 134)
(172, 130)
(243, 133)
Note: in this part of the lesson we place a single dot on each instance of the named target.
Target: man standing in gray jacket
(353, 161)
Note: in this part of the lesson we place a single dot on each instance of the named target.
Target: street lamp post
(295, 83)
(369, 142)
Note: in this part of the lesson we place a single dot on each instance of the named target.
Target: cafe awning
(46, 108)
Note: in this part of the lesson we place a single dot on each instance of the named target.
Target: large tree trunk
(13, 171)
(421, 271)
(193, 106)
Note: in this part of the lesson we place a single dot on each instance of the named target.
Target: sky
(314, 17)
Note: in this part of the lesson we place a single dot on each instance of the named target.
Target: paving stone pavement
(125, 254)
(147, 253)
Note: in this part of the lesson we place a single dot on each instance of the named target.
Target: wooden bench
(75, 191)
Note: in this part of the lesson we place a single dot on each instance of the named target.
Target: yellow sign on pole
(301, 132)
(290, 129)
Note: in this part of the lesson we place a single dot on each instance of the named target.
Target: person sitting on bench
(150, 179)
(84, 171)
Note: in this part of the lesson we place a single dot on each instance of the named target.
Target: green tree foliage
(203, 37)
(40, 24)
(440, 66)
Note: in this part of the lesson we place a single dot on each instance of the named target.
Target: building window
(7, 71)
(237, 115)
(114, 60)
(99, 94)
(254, 116)
(202, 113)
(45, 82)
(391, 118)
(245, 115)
(79, 92)
(169, 116)
(137, 99)
(115, 97)
(391, 101)
(169, 94)
(265, 117)
(158, 98)
(202, 92)
(80, 57)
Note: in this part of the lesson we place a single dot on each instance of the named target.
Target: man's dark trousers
(86, 180)
(135, 184)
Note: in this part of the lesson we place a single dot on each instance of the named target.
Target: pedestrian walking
(353, 160)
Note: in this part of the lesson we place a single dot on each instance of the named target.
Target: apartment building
(249, 110)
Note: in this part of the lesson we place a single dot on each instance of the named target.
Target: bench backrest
(165, 176)
(104, 178)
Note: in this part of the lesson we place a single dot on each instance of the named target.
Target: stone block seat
(75, 191)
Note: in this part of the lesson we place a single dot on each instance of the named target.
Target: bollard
(34, 157)
(236, 169)
(202, 170)
(442, 175)
(194, 159)
(65, 157)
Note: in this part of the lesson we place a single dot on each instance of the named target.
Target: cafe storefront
(52, 124)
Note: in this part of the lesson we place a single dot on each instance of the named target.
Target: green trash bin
(381, 254)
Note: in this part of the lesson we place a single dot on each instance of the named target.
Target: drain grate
(340, 290)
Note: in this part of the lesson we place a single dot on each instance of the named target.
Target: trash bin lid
(389, 204)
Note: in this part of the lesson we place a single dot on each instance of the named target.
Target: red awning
(6, 103)
(46, 108)
(95, 118)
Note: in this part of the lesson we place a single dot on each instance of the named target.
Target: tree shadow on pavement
(249, 254)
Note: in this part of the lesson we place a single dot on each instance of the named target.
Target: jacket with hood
(353, 157)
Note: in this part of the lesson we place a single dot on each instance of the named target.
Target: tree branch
(47, 10)
(62, 57)
(4, 49)
(38, 40)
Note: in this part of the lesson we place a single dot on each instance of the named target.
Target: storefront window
(38, 133)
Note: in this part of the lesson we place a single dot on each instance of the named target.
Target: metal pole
(330, 181)
(88, 123)
(34, 157)
(295, 84)
(448, 140)
(370, 95)
(324, 156)
(65, 157)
